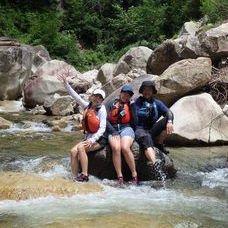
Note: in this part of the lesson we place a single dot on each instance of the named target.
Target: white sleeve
(77, 97)
(102, 115)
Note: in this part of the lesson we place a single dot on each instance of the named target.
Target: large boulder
(199, 120)
(193, 42)
(182, 78)
(135, 58)
(22, 186)
(162, 57)
(105, 73)
(15, 69)
(40, 55)
(215, 41)
(101, 165)
(59, 105)
(171, 51)
(46, 84)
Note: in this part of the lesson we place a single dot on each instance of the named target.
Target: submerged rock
(21, 186)
(4, 124)
(101, 165)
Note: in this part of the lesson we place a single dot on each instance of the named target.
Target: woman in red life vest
(94, 125)
(121, 122)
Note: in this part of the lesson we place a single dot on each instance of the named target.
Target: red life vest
(113, 114)
(90, 122)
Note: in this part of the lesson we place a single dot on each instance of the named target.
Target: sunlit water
(197, 197)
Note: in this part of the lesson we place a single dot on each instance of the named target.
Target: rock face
(59, 105)
(4, 124)
(198, 120)
(105, 73)
(46, 83)
(183, 77)
(100, 165)
(17, 186)
(135, 58)
(15, 69)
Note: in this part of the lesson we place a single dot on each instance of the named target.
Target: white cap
(100, 92)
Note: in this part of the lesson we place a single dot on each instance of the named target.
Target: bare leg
(74, 159)
(116, 154)
(162, 137)
(126, 143)
(150, 154)
(82, 150)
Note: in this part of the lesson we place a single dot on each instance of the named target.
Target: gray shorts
(127, 131)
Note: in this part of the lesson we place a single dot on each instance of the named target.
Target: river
(196, 197)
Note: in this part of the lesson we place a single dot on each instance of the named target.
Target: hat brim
(153, 88)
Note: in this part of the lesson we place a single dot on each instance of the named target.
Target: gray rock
(46, 83)
(135, 58)
(105, 73)
(199, 120)
(101, 165)
(59, 105)
(183, 77)
(15, 69)
(215, 41)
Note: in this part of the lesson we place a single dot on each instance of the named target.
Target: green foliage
(87, 33)
(216, 10)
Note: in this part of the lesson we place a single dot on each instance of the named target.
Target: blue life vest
(147, 114)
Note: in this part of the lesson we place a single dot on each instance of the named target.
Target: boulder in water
(101, 165)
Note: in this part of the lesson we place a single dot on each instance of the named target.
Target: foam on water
(216, 178)
(143, 199)
(28, 127)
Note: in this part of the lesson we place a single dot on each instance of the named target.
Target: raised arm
(74, 94)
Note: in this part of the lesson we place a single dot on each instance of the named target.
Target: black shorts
(145, 137)
(102, 141)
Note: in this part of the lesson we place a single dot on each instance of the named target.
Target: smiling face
(147, 92)
(96, 99)
(124, 96)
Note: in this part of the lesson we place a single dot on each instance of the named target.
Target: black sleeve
(134, 116)
(169, 115)
(110, 130)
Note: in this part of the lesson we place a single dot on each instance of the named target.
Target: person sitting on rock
(121, 120)
(94, 125)
(149, 110)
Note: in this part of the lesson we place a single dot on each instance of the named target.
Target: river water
(196, 197)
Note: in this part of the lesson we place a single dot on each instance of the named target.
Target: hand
(132, 101)
(169, 128)
(62, 78)
(87, 143)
